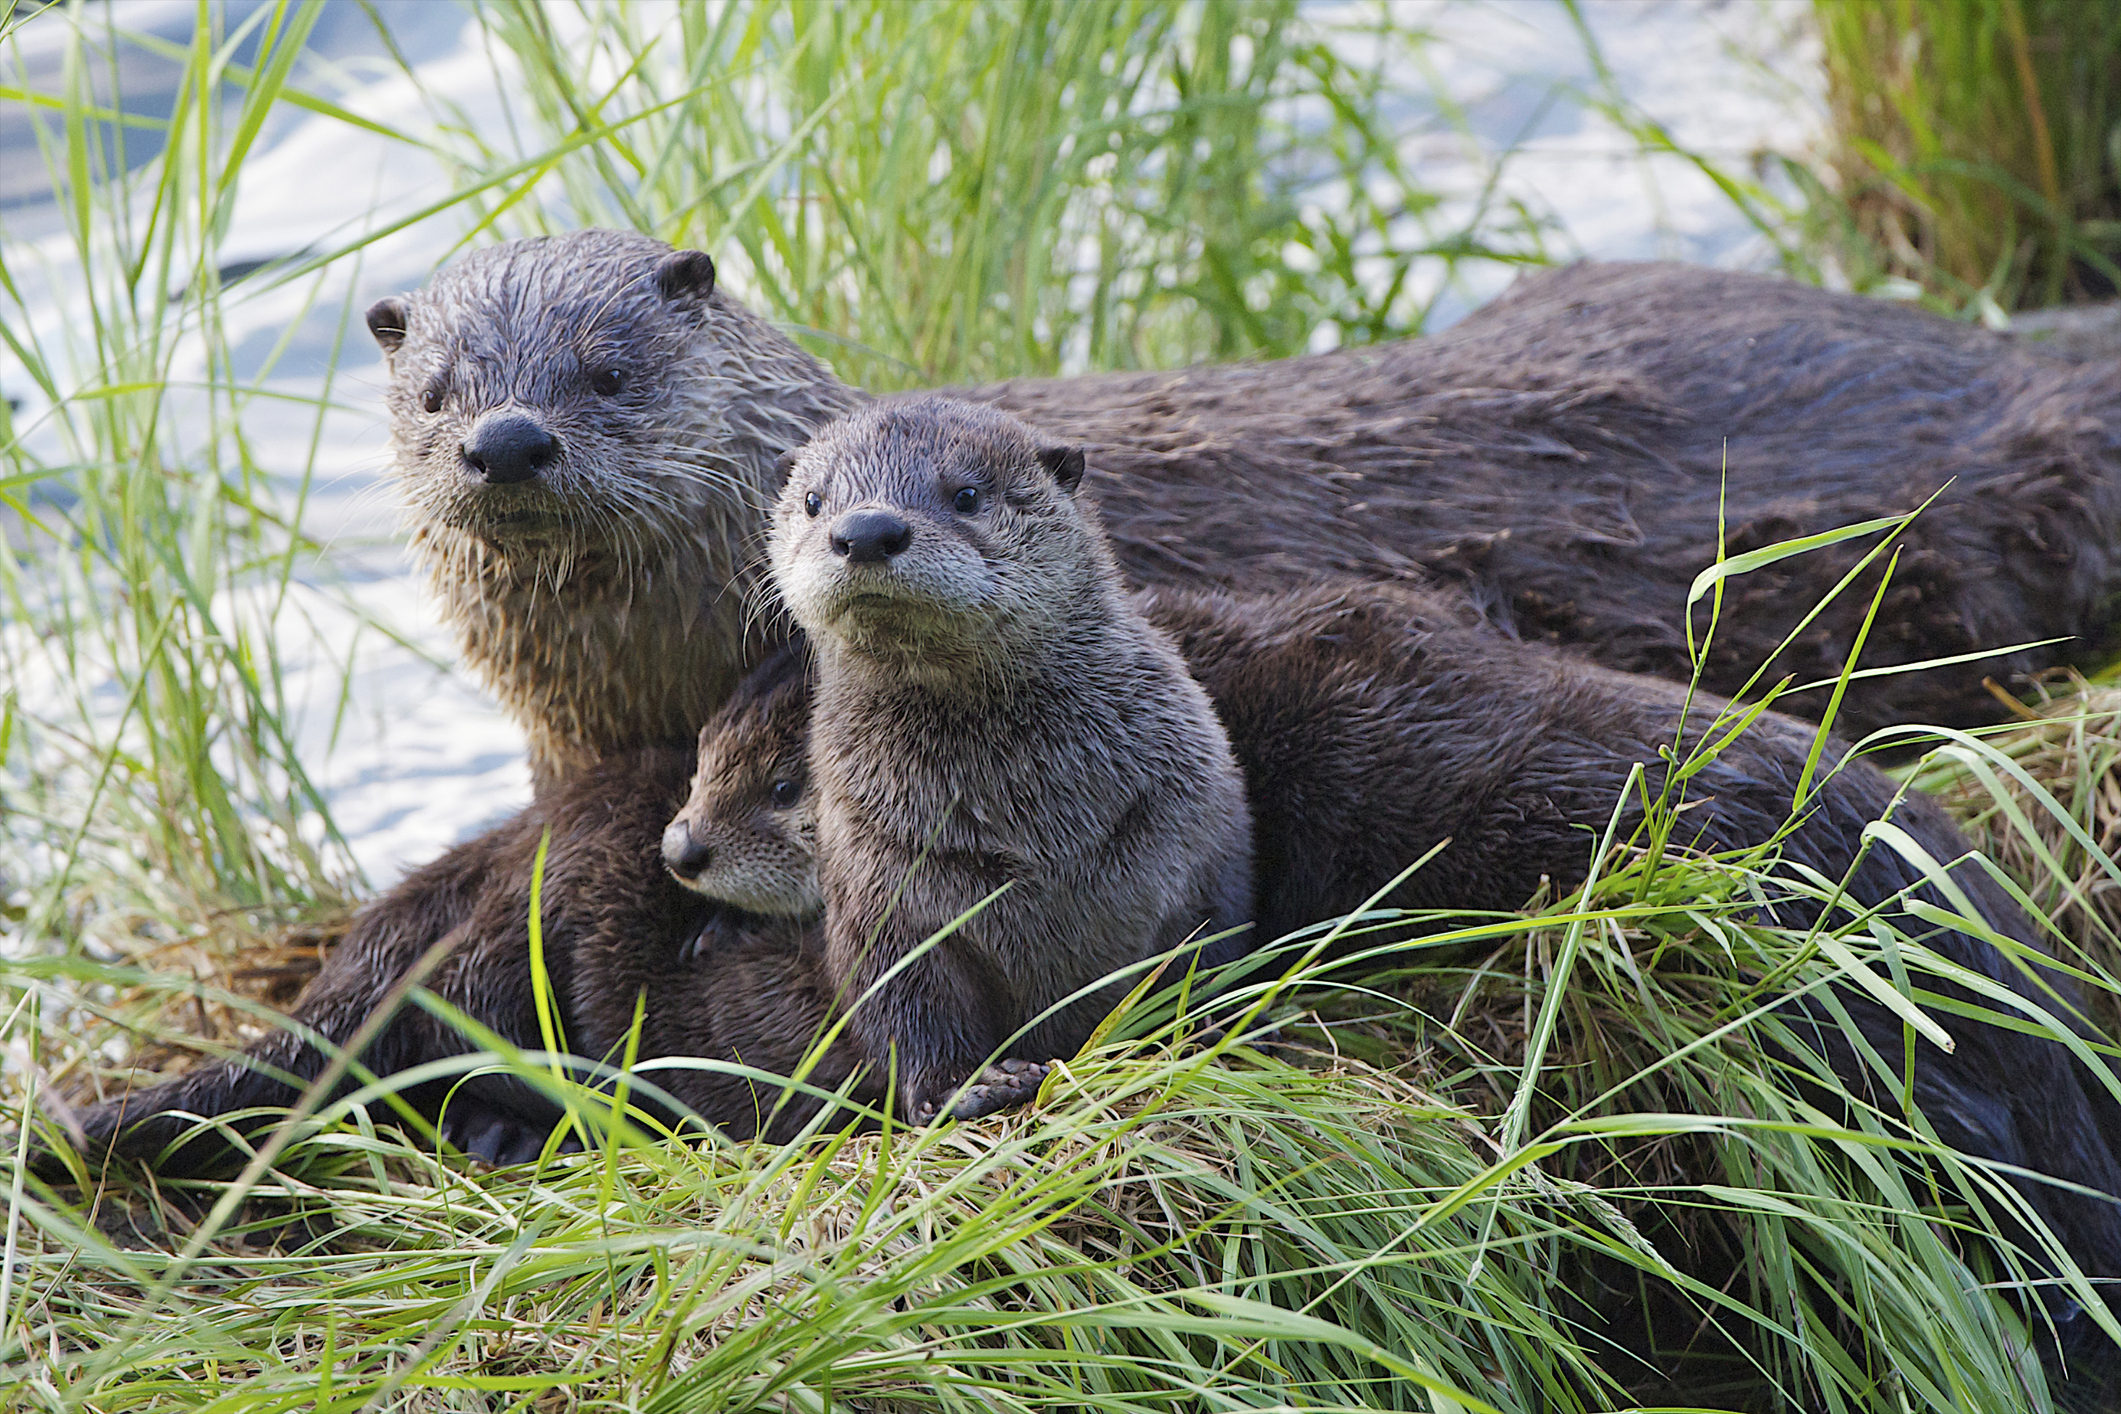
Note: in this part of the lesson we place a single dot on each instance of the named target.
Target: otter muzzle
(509, 449)
(684, 854)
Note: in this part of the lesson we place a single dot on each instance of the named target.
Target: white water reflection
(414, 757)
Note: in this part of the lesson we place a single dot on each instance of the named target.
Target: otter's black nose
(683, 853)
(506, 450)
(870, 537)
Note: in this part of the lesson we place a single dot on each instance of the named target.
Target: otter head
(588, 396)
(924, 529)
(747, 834)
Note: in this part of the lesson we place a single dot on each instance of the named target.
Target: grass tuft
(1974, 146)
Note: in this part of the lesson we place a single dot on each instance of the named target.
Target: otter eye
(813, 503)
(786, 793)
(967, 501)
(431, 396)
(606, 382)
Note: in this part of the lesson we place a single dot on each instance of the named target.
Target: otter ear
(784, 465)
(1066, 464)
(386, 320)
(685, 272)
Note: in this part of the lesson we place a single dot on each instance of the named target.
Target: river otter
(747, 834)
(999, 742)
(586, 430)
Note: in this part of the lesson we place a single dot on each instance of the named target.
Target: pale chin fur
(801, 899)
(881, 614)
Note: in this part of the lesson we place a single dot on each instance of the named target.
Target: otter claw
(1001, 1086)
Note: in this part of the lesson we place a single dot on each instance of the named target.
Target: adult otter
(587, 430)
(1000, 745)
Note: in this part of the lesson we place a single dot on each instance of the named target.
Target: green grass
(1968, 158)
(1419, 1198)
(153, 558)
(1974, 147)
(970, 191)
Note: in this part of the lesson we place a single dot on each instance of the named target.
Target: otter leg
(357, 975)
(387, 939)
(939, 1018)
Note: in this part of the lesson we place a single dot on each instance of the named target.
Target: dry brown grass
(2067, 740)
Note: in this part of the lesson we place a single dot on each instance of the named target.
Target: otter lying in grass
(1001, 747)
(587, 435)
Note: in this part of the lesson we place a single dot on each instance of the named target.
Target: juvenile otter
(995, 729)
(587, 430)
(747, 834)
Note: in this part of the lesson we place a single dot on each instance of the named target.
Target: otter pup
(996, 729)
(747, 835)
(586, 431)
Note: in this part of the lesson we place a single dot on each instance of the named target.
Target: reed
(1973, 147)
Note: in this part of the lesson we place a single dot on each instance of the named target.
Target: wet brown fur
(1375, 722)
(1560, 456)
(995, 728)
(747, 832)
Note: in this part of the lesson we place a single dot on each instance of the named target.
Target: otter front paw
(502, 1139)
(718, 932)
(1001, 1086)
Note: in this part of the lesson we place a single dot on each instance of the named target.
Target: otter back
(586, 434)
